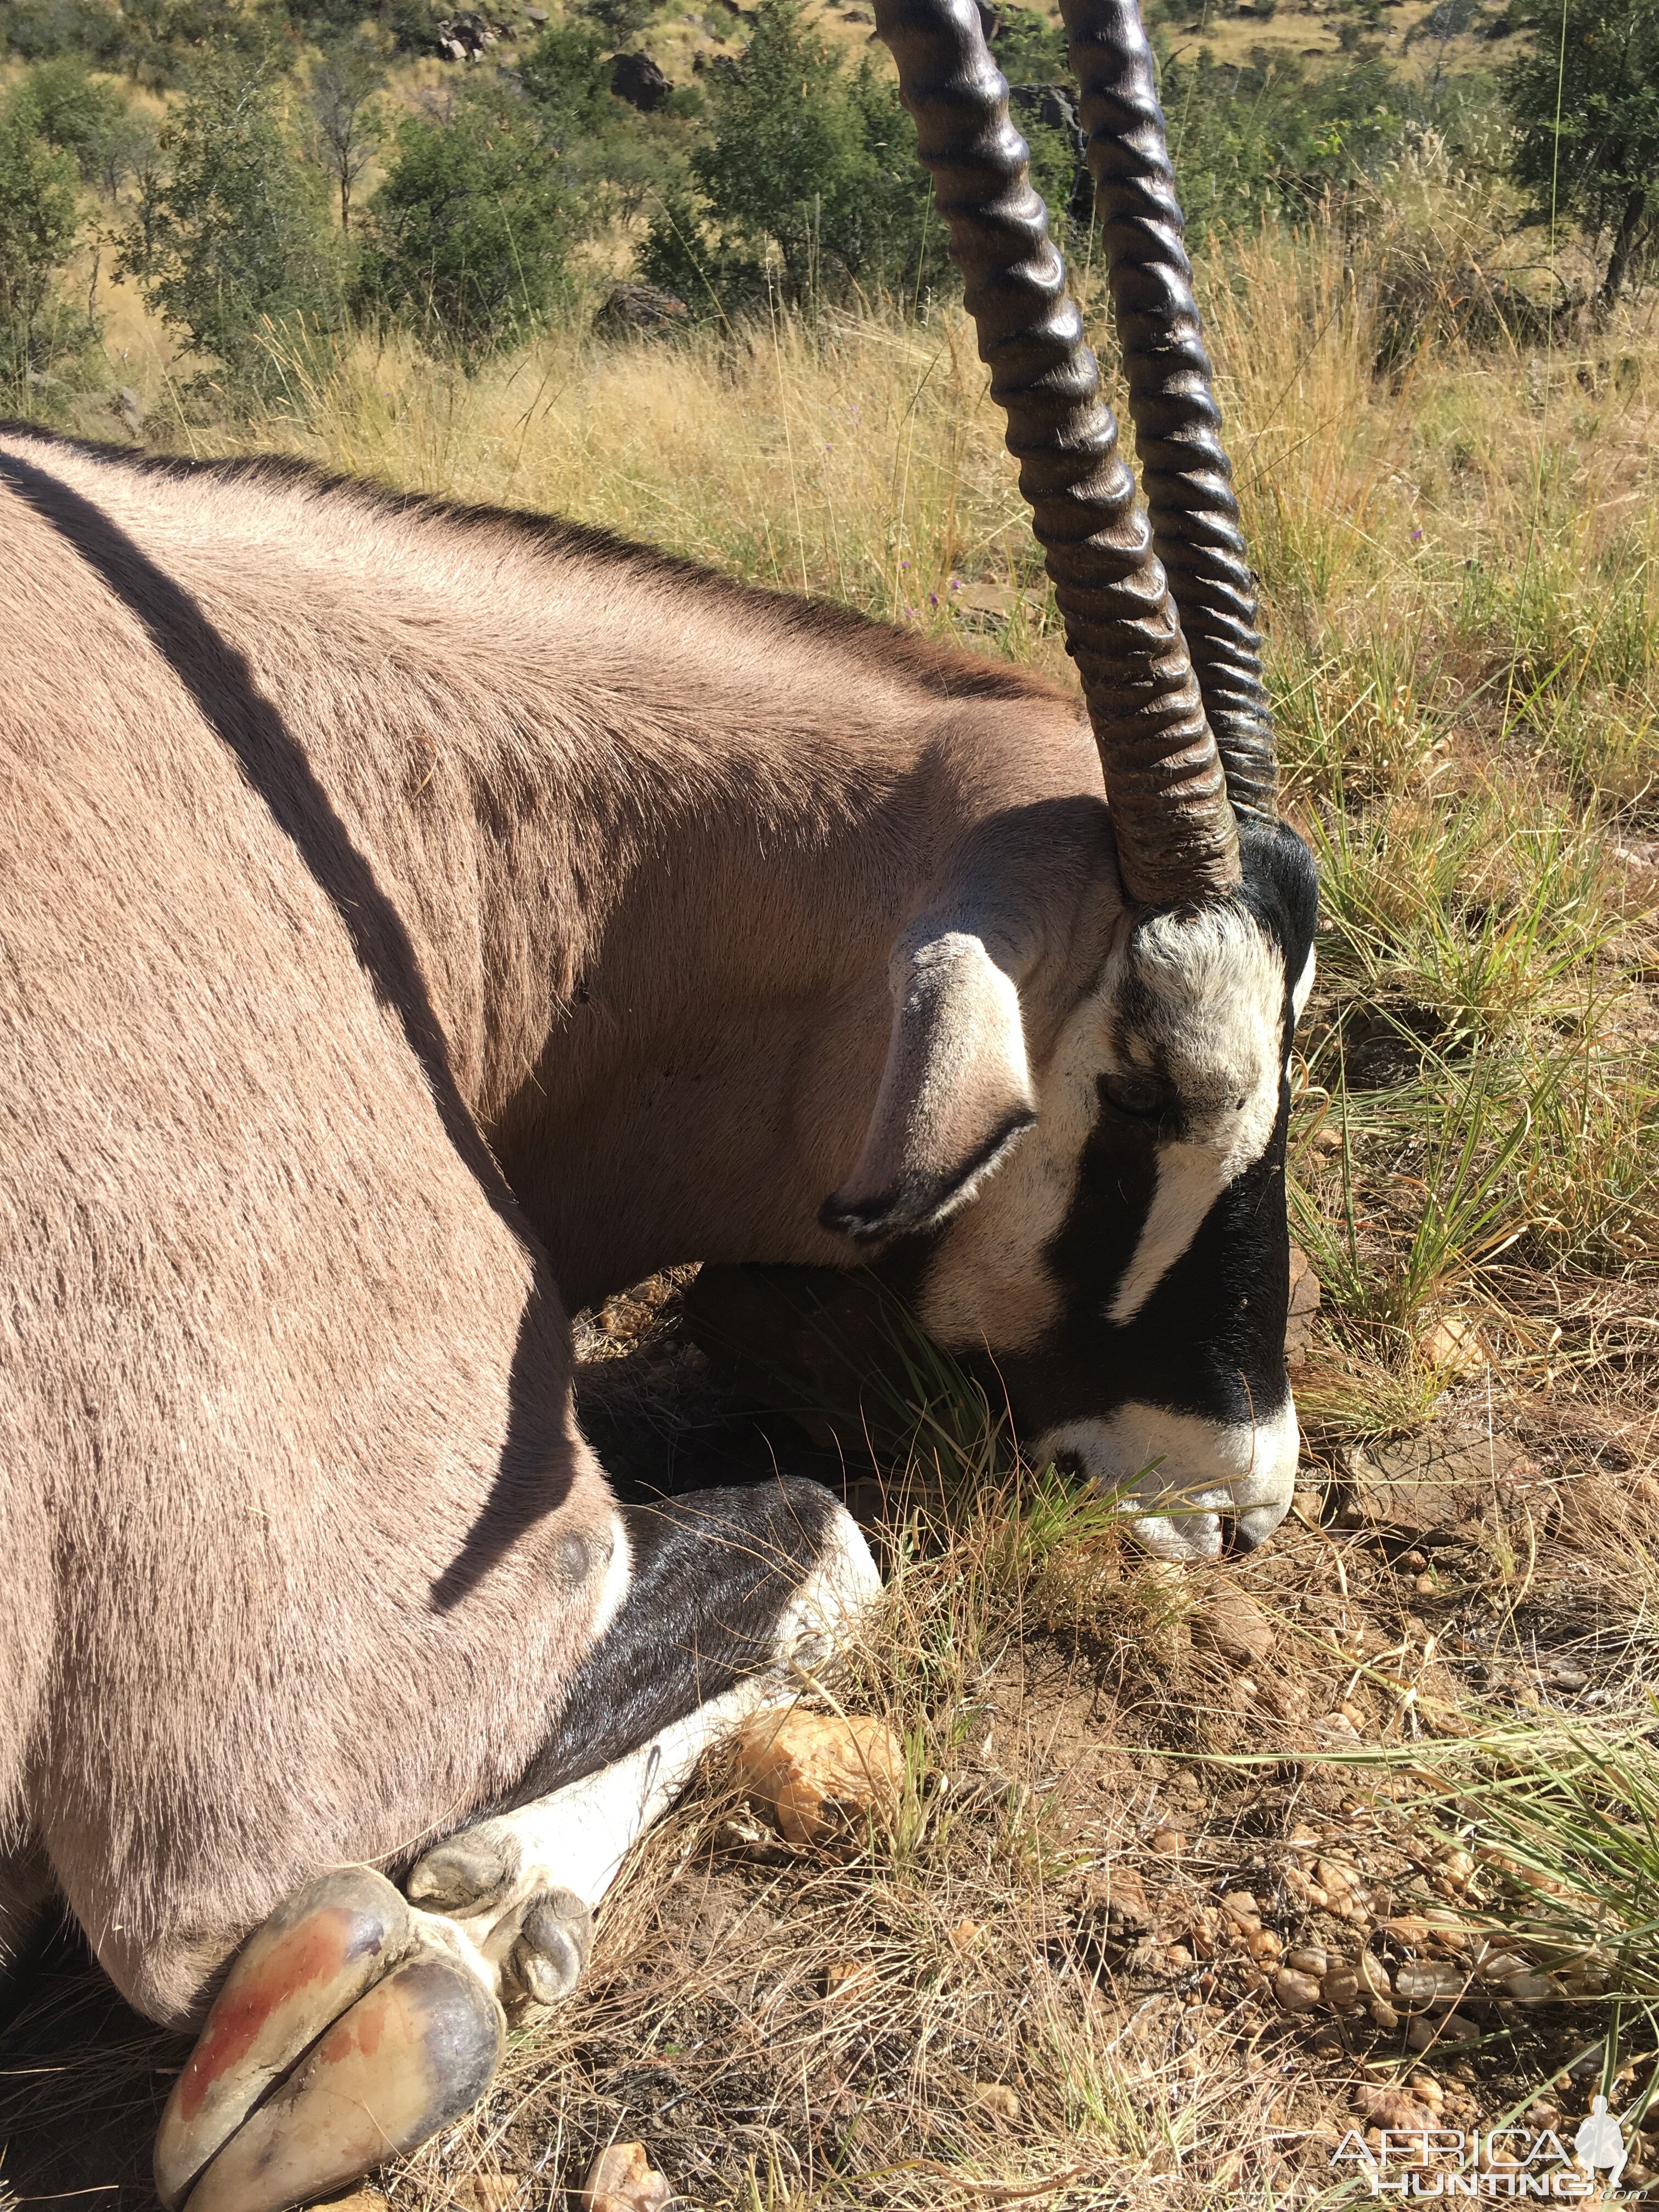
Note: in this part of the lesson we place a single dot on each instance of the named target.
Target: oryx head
(1108, 1227)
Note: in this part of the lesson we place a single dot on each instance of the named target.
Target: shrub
(467, 234)
(234, 245)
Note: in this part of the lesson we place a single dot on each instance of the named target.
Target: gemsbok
(419, 921)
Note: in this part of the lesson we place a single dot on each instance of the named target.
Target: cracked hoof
(384, 2030)
(409, 2057)
(316, 1955)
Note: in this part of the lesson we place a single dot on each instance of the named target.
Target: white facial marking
(1203, 1469)
(1208, 1013)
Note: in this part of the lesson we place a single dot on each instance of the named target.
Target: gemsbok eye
(1147, 1097)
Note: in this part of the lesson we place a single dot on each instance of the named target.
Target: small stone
(1392, 2110)
(1372, 1974)
(1263, 1943)
(1452, 1348)
(1340, 1988)
(1296, 1992)
(1309, 1958)
(1335, 1881)
(997, 2099)
(1418, 1987)
(1384, 2014)
(964, 1936)
(1126, 1899)
(1527, 1987)
(846, 1977)
(1169, 1842)
(484, 2192)
(816, 1773)
(1233, 1627)
(1242, 1909)
(1178, 1957)
(621, 2179)
(1409, 1930)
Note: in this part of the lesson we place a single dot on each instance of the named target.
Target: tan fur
(406, 913)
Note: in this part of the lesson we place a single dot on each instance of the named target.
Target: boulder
(638, 80)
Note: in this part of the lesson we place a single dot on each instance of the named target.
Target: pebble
(1335, 1881)
(998, 2098)
(1233, 1627)
(1384, 2014)
(815, 1773)
(1169, 1842)
(1296, 1991)
(621, 2179)
(1305, 1960)
(1420, 1986)
(1372, 1974)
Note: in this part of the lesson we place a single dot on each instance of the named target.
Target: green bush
(78, 112)
(234, 244)
(39, 224)
(1273, 136)
(808, 178)
(467, 234)
(92, 30)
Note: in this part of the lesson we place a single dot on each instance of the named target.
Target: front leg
(356, 2023)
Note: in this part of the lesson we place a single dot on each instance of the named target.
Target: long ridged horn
(1178, 838)
(1184, 471)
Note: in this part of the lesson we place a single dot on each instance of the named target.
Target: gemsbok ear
(956, 1092)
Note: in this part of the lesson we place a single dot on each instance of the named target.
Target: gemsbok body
(419, 921)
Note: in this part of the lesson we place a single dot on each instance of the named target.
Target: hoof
(316, 1955)
(407, 2059)
(554, 1942)
(471, 1871)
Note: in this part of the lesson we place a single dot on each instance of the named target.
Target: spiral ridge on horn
(1184, 470)
(1178, 838)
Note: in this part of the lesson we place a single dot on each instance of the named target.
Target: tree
(76, 112)
(234, 246)
(1585, 100)
(39, 223)
(808, 172)
(344, 87)
(467, 235)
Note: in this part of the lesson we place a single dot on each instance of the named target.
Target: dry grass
(1447, 1650)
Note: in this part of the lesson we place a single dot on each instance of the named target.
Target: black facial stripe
(1209, 1340)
